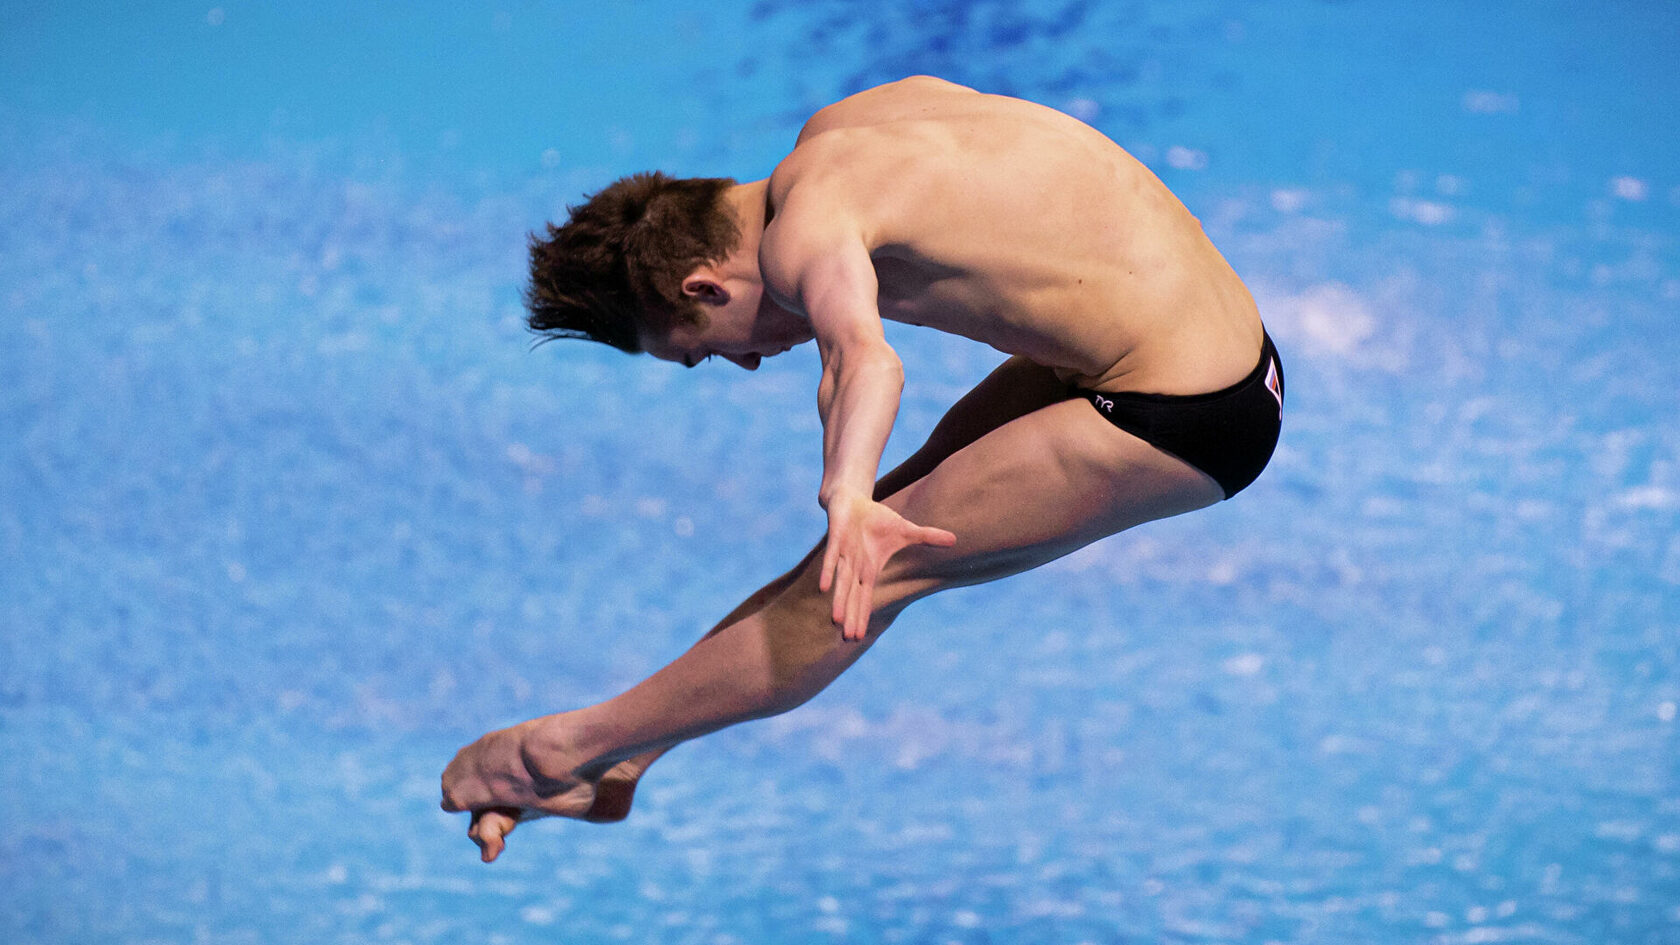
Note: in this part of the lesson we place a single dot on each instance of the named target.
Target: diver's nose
(748, 361)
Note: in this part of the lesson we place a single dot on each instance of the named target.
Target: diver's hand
(862, 536)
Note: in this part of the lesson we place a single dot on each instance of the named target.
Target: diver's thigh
(1032, 490)
(1015, 388)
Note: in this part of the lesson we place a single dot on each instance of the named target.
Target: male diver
(1140, 384)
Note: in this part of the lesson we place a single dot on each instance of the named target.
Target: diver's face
(741, 327)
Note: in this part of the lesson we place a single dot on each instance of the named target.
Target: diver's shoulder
(925, 83)
(831, 156)
(893, 101)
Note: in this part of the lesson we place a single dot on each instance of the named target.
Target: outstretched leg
(1029, 490)
(617, 788)
(1015, 388)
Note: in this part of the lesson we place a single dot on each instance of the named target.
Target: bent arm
(858, 399)
(829, 276)
(824, 269)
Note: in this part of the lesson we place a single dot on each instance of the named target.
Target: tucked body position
(1139, 384)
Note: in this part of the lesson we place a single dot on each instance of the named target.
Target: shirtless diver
(1140, 384)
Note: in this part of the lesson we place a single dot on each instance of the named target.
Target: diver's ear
(704, 287)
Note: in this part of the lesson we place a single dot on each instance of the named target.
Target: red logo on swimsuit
(1273, 385)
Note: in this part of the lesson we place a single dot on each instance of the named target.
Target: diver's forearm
(858, 416)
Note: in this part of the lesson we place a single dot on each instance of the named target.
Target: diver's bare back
(1018, 226)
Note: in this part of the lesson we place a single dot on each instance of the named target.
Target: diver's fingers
(857, 617)
(831, 559)
(862, 599)
(937, 537)
(842, 591)
(869, 600)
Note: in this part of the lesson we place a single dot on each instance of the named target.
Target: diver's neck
(747, 204)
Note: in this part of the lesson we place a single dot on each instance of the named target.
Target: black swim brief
(1228, 434)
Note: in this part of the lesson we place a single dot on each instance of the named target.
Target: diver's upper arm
(815, 262)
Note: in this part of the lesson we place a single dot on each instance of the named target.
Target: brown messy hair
(623, 256)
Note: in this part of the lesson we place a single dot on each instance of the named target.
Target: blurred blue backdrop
(289, 510)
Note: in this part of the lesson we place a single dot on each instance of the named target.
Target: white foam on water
(1329, 318)
(1485, 102)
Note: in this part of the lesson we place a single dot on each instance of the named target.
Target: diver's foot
(524, 768)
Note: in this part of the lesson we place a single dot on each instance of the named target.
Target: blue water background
(289, 510)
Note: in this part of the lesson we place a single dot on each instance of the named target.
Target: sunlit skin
(930, 204)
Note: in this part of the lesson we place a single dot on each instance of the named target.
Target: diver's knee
(912, 574)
